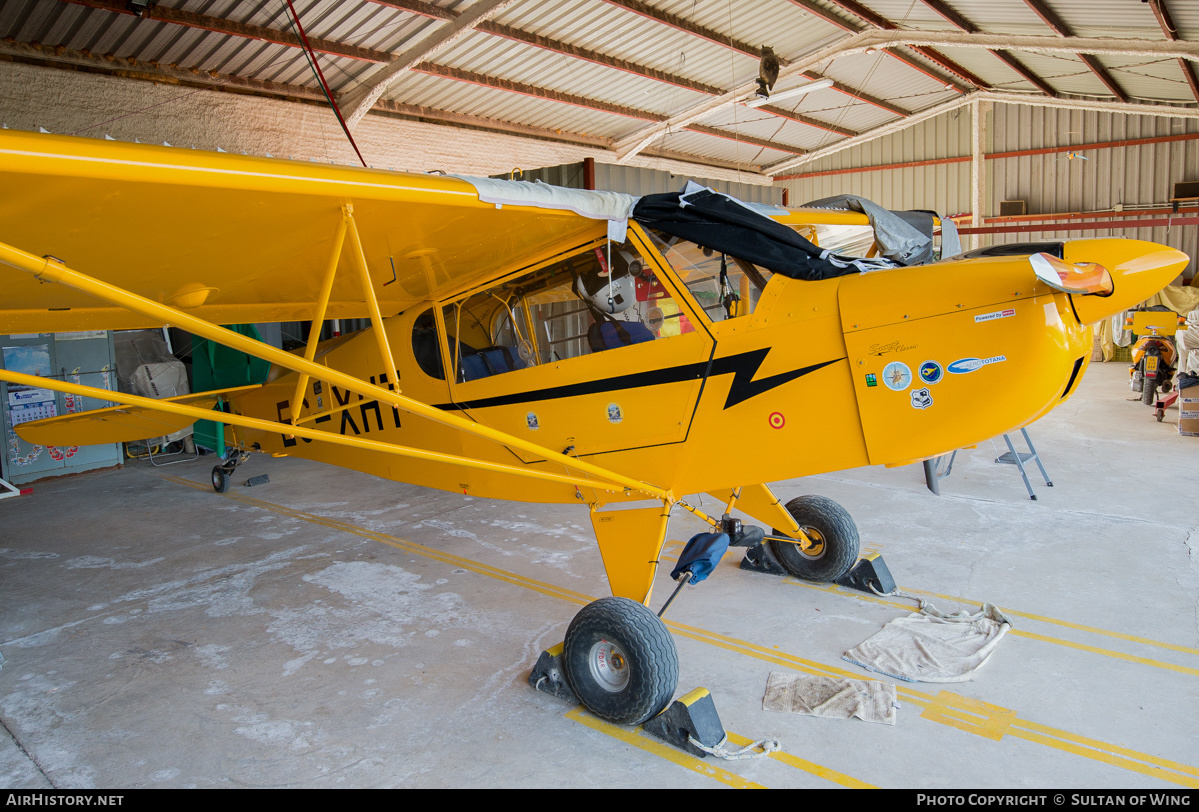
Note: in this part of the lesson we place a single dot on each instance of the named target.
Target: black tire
(220, 479)
(1149, 390)
(646, 671)
(828, 524)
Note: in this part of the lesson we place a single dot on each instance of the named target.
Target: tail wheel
(834, 536)
(621, 661)
(220, 479)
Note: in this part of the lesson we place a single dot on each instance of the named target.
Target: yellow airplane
(522, 350)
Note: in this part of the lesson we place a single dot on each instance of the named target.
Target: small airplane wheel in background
(621, 661)
(835, 535)
(220, 479)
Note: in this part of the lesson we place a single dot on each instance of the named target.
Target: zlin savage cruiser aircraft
(548, 345)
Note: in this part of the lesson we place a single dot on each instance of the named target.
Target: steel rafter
(1167, 23)
(1050, 18)
(878, 21)
(1007, 57)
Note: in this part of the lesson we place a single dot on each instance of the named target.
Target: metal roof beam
(784, 166)
(716, 163)
(587, 55)
(952, 16)
(686, 26)
(358, 101)
(1050, 18)
(788, 164)
(859, 43)
(811, 122)
(1168, 28)
(219, 25)
(936, 57)
(483, 80)
(232, 28)
(420, 8)
(716, 132)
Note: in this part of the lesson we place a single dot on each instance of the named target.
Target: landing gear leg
(221, 473)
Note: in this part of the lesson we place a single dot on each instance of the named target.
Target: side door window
(605, 297)
(597, 350)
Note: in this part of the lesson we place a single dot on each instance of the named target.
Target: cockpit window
(426, 346)
(726, 287)
(602, 298)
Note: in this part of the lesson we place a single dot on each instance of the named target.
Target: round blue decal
(931, 372)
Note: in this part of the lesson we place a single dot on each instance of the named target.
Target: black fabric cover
(715, 221)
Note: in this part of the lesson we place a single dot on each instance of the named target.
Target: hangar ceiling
(664, 78)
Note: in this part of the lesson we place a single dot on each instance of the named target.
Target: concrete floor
(330, 629)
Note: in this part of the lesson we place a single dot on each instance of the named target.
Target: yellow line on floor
(970, 715)
(636, 738)
(1106, 652)
(407, 546)
(1092, 629)
(947, 708)
(798, 763)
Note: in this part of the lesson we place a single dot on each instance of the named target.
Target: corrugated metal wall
(943, 188)
(635, 180)
(1135, 177)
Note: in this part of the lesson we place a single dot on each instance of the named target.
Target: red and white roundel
(777, 421)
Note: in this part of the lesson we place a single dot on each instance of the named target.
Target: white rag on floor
(929, 646)
(869, 700)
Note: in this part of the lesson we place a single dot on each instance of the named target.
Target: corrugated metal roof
(210, 39)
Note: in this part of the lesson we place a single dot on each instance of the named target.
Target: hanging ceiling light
(758, 101)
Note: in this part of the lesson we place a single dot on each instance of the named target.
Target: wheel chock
(758, 558)
(691, 717)
(549, 678)
(869, 572)
(261, 479)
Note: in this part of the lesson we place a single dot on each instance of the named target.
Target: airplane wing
(239, 239)
(119, 424)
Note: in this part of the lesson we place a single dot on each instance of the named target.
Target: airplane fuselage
(885, 367)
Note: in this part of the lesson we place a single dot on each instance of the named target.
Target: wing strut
(197, 413)
(47, 269)
(368, 293)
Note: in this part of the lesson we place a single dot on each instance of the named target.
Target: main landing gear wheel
(834, 540)
(621, 661)
(220, 479)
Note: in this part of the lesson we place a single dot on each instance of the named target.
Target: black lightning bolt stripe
(745, 366)
(742, 366)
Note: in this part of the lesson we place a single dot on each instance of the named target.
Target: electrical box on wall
(1012, 208)
(85, 358)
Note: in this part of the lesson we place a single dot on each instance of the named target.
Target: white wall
(87, 104)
